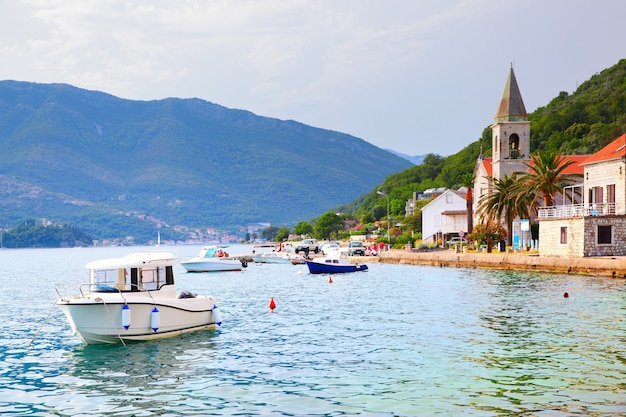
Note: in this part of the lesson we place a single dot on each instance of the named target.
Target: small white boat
(296, 259)
(273, 258)
(133, 298)
(213, 259)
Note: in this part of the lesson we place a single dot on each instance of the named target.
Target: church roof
(486, 162)
(575, 168)
(511, 107)
(614, 150)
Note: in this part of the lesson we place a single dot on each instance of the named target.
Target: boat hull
(322, 268)
(212, 265)
(98, 318)
(271, 259)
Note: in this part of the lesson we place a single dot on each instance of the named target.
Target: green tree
(367, 218)
(504, 200)
(414, 223)
(328, 225)
(379, 212)
(283, 234)
(302, 229)
(485, 231)
(547, 177)
(269, 233)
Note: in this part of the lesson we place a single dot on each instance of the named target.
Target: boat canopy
(135, 272)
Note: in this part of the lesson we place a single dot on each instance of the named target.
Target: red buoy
(272, 304)
(330, 280)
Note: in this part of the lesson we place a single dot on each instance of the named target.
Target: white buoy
(126, 316)
(154, 320)
(217, 315)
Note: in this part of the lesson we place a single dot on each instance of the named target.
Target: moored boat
(336, 262)
(213, 259)
(134, 298)
(273, 258)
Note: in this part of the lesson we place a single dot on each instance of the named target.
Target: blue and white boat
(336, 262)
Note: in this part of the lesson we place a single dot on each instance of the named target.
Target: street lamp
(388, 218)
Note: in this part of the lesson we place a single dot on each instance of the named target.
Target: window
(563, 235)
(596, 196)
(610, 198)
(605, 235)
(449, 199)
(514, 151)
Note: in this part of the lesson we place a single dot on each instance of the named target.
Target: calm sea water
(396, 340)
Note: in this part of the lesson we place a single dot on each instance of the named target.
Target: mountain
(117, 167)
(415, 159)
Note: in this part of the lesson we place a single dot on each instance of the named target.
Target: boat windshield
(135, 279)
(115, 279)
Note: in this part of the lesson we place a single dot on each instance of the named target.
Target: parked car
(329, 246)
(457, 240)
(356, 248)
(307, 245)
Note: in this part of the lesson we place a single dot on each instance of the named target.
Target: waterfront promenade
(519, 261)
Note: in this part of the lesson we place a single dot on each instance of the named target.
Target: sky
(413, 76)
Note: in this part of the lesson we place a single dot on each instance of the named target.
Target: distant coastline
(597, 266)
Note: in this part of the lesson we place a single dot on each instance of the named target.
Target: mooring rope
(42, 324)
(106, 307)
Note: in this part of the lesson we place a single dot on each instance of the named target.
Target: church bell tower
(511, 132)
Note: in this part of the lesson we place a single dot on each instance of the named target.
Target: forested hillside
(580, 123)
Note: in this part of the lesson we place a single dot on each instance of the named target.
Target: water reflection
(143, 377)
(537, 351)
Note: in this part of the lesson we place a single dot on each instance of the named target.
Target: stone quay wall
(597, 266)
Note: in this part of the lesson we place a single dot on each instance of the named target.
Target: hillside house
(409, 207)
(445, 217)
(597, 226)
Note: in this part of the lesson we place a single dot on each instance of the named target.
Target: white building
(597, 227)
(444, 217)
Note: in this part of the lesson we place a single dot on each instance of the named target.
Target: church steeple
(510, 132)
(511, 107)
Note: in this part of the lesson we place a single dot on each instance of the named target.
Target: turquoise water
(396, 340)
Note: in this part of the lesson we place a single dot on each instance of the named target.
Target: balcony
(577, 210)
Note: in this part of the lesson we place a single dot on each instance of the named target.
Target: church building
(510, 142)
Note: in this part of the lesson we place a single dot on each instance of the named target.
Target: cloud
(391, 72)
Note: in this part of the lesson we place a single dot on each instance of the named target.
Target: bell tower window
(514, 151)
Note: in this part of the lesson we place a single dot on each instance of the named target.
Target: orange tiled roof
(487, 164)
(614, 150)
(575, 168)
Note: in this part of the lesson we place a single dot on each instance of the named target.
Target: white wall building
(597, 227)
(444, 217)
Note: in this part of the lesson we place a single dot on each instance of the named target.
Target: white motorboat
(134, 298)
(213, 259)
(272, 258)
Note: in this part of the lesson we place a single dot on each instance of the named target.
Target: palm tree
(506, 199)
(468, 181)
(546, 176)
